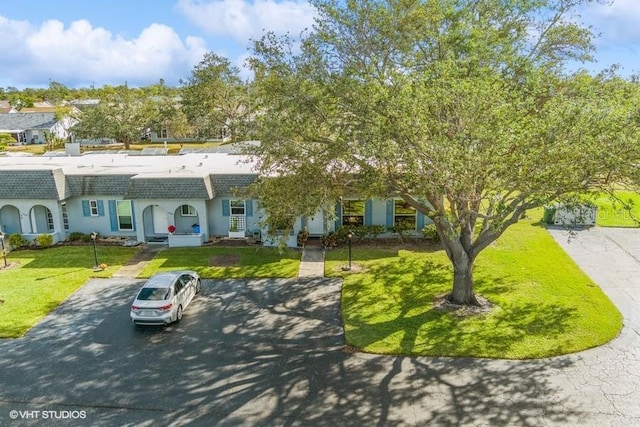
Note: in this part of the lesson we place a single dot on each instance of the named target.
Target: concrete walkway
(136, 264)
(312, 263)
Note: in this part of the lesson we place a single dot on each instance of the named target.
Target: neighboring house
(142, 197)
(30, 128)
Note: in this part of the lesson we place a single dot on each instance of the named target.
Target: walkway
(135, 265)
(312, 263)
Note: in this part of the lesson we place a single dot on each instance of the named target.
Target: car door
(189, 287)
(178, 294)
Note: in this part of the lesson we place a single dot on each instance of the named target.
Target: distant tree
(459, 108)
(57, 93)
(122, 116)
(214, 98)
(5, 139)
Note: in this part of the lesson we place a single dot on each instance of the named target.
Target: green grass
(544, 305)
(39, 280)
(612, 214)
(214, 262)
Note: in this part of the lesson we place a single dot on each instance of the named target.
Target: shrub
(44, 240)
(330, 239)
(17, 241)
(76, 236)
(430, 233)
(373, 231)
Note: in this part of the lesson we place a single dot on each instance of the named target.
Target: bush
(44, 240)
(76, 236)
(17, 241)
(430, 233)
(373, 231)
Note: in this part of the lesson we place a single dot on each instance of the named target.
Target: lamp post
(94, 236)
(4, 252)
(348, 268)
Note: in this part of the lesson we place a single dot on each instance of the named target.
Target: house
(30, 128)
(179, 200)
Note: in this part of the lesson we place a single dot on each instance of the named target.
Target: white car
(164, 297)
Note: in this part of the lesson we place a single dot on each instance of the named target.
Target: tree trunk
(462, 261)
(462, 292)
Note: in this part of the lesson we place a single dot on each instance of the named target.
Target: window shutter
(85, 208)
(420, 221)
(338, 215)
(390, 204)
(100, 208)
(113, 215)
(248, 204)
(368, 212)
(226, 208)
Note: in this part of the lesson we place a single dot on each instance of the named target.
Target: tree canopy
(461, 108)
(123, 116)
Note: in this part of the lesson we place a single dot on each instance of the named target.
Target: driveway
(270, 353)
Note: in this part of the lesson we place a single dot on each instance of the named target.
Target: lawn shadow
(259, 353)
(408, 307)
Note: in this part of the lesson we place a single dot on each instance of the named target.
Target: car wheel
(198, 286)
(179, 314)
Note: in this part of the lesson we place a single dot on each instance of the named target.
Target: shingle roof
(24, 121)
(98, 185)
(170, 188)
(225, 184)
(33, 184)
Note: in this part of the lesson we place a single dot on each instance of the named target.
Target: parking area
(241, 347)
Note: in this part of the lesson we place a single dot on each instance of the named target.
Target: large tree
(215, 99)
(124, 116)
(459, 107)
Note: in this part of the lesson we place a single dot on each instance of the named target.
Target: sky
(80, 43)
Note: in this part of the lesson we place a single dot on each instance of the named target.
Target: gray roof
(33, 184)
(225, 184)
(98, 185)
(25, 121)
(170, 188)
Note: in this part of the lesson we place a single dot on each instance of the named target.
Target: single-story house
(30, 128)
(180, 200)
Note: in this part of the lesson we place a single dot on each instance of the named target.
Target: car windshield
(153, 294)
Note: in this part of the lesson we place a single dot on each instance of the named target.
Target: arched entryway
(41, 220)
(186, 219)
(10, 220)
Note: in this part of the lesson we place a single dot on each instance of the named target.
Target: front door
(315, 224)
(160, 221)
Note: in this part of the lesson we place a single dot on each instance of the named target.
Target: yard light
(4, 253)
(94, 236)
(348, 268)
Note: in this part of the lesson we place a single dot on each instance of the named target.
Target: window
(162, 133)
(188, 210)
(49, 220)
(125, 217)
(93, 207)
(65, 216)
(353, 212)
(404, 215)
(237, 207)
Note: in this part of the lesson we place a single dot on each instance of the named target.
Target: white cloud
(617, 22)
(81, 54)
(246, 19)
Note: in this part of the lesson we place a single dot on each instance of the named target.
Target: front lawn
(544, 305)
(39, 280)
(227, 262)
(613, 214)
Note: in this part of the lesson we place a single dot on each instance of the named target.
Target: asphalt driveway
(270, 352)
